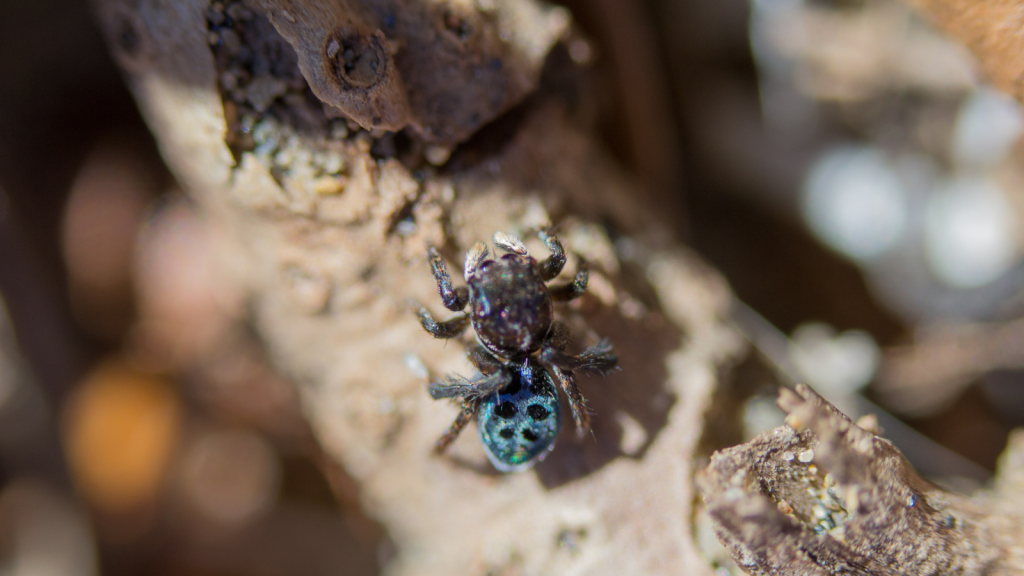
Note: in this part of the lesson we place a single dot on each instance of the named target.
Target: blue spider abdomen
(518, 425)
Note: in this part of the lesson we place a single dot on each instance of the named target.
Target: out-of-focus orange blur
(121, 428)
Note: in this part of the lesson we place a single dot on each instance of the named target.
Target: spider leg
(483, 360)
(567, 380)
(469, 408)
(553, 264)
(597, 359)
(456, 386)
(454, 299)
(558, 337)
(509, 243)
(476, 255)
(574, 289)
(450, 328)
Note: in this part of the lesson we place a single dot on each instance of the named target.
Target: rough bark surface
(323, 227)
(824, 496)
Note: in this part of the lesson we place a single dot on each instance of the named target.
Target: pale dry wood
(329, 259)
(329, 253)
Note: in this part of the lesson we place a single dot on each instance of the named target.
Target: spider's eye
(486, 266)
(509, 256)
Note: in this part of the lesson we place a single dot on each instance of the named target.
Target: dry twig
(824, 496)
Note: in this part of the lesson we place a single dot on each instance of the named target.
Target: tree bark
(823, 495)
(273, 115)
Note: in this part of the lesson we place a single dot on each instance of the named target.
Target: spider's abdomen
(511, 307)
(518, 425)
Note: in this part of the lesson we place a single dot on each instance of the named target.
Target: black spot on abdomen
(537, 412)
(541, 388)
(506, 433)
(530, 435)
(506, 410)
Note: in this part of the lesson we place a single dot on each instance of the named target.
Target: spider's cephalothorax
(512, 313)
(510, 307)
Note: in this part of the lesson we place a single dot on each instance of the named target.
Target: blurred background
(839, 161)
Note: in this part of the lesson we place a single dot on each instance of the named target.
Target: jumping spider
(514, 397)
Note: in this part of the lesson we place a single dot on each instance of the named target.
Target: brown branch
(824, 496)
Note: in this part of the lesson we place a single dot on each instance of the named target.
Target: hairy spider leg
(469, 408)
(454, 299)
(597, 359)
(495, 377)
(456, 386)
(574, 289)
(450, 328)
(509, 243)
(567, 380)
(558, 336)
(551, 266)
(482, 360)
(474, 257)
